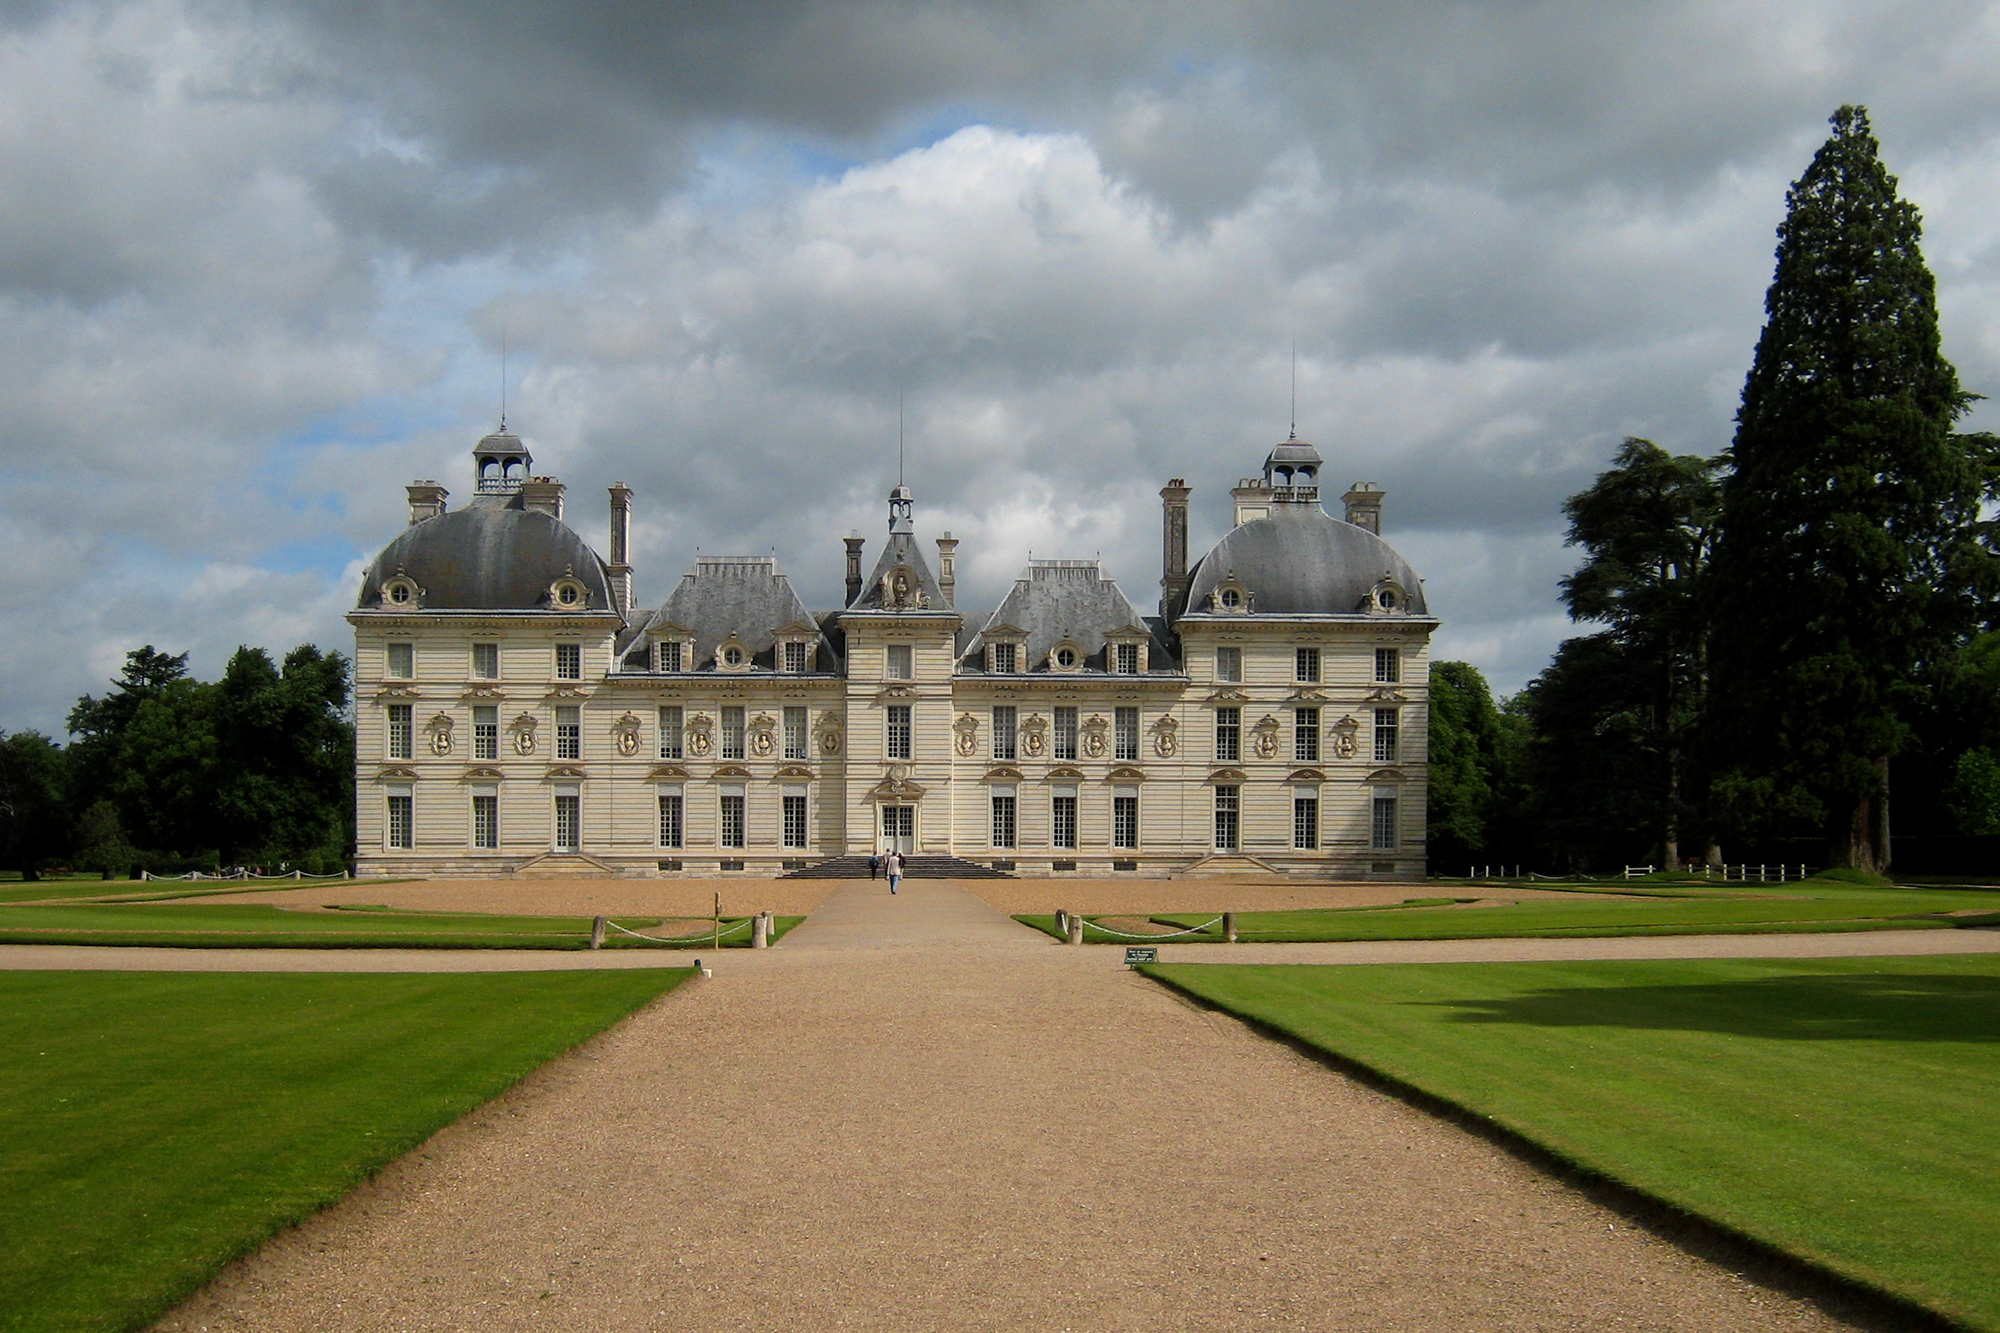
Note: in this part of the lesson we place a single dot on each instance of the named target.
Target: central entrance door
(899, 829)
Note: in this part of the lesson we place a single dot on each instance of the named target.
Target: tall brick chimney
(948, 567)
(621, 547)
(1173, 549)
(854, 543)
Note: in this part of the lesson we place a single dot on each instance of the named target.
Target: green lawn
(259, 925)
(1811, 906)
(1844, 1110)
(157, 1125)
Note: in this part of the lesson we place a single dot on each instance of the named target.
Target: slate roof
(1302, 561)
(1055, 600)
(748, 596)
(492, 555)
(901, 550)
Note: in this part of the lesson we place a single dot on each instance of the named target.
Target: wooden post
(760, 931)
(597, 932)
(1075, 929)
(1229, 927)
(718, 918)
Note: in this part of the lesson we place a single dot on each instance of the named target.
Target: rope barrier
(680, 939)
(1126, 934)
(196, 876)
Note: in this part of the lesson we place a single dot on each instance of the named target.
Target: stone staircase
(563, 865)
(1220, 865)
(914, 867)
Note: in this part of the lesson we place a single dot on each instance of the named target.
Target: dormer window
(1125, 659)
(1004, 658)
(568, 594)
(1066, 657)
(401, 593)
(670, 655)
(1388, 598)
(1231, 598)
(732, 656)
(798, 657)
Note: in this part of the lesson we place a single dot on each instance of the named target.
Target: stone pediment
(482, 693)
(482, 773)
(1385, 775)
(1064, 773)
(794, 771)
(896, 786)
(566, 771)
(1307, 694)
(1227, 775)
(1387, 694)
(567, 694)
(398, 690)
(1228, 694)
(396, 773)
(898, 692)
(1305, 775)
(1126, 773)
(1003, 773)
(731, 771)
(658, 771)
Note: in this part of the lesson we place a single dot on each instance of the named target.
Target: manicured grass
(1843, 1110)
(158, 1125)
(1764, 908)
(261, 926)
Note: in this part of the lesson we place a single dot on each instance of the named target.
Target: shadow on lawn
(1872, 1007)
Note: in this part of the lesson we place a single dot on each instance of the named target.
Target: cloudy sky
(256, 264)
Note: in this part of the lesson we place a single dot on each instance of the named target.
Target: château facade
(518, 713)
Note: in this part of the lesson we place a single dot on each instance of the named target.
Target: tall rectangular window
(1388, 666)
(732, 819)
(1228, 735)
(569, 732)
(1384, 824)
(1065, 733)
(1005, 733)
(402, 821)
(1006, 658)
(569, 661)
(795, 819)
(1305, 735)
(672, 729)
(1003, 819)
(673, 830)
(1229, 664)
(400, 731)
(569, 821)
(796, 656)
(902, 662)
(485, 819)
(402, 661)
(1062, 819)
(485, 731)
(1306, 662)
(898, 738)
(1385, 735)
(1125, 733)
(1125, 819)
(1305, 821)
(486, 661)
(732, 731)
(1125, 659)
(668, 654)
(1226, 813)
(795, 732)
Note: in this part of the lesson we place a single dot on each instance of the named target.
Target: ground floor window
(732, 819)
(569, 821)
(402, 820)
(1062, 820)
(1003, 819)
(1305, 821)
(795, 819)
(1226, 814)
(485, 819)
(1125, 819)
(673, 832)
(1384, 839)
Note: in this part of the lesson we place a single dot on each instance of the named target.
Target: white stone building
(517, 712)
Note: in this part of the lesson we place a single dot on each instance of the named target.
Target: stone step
(928, 866)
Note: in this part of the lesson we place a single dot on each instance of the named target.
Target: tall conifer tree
(1852, 556)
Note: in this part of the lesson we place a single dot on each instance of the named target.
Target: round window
(567, 594)
(1387, 597)
(1230, 597)
(1065, 657)
(399, 592)
(732, 657)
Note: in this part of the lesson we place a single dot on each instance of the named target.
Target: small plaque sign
(1140, 953)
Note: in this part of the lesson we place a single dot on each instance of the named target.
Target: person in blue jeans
(895, 871)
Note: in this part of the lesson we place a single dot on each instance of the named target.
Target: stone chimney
(426, 500)
(1173, 549)
(854, 544)
(1364, 506)
(947, 566)
(620, 564)
(543, 495)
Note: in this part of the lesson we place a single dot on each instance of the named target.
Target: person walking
(895, 871)
(874, 865)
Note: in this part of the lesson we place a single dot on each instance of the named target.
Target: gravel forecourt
(916, 1114)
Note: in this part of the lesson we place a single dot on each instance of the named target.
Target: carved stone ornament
(967, 731)
(829, 732)
(700, 735)
(1094, 744)
(1266, 733)
(523, 728)
(625, 735)
(763, 738)
(1343, 733)
(1034, 736)
(900, 591)
(1166, 737)
(440, 729)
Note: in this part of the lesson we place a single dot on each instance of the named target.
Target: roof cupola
(901, 510)
(502, 463)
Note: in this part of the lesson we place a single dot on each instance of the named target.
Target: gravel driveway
(915, 1114)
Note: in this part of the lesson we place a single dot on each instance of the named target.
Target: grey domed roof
(489, 557)
(1301, 561)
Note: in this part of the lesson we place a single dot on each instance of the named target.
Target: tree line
(168, 773)
(1787, 633)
